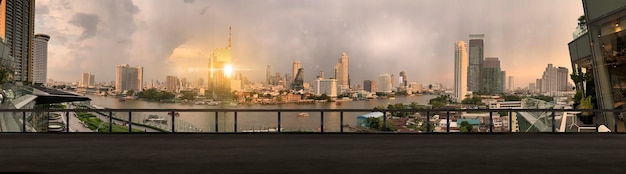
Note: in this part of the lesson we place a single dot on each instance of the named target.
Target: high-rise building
(298, 83)
(537, 85)
(384, 83)
(326, 86)
(532, 87)
(403, 79)
(296, 66)
(562, 76)
(171, 84)
(460, 70)
(87, 80)
(40, 58)
(476, 56)
(341, 71)
(493, 77)
(549, 79)
(268, 76)
(220, 67)
(127, 78)
(393, 81)
(510, 87)
(369, 86)
(17, 30)
(199, 83)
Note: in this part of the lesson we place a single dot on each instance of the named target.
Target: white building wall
(384, 83)
(460, 70)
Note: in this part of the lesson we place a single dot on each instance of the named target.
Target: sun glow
(228, 70)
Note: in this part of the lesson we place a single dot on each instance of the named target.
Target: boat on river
(303, 114)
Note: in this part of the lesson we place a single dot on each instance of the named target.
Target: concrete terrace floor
(313, 153)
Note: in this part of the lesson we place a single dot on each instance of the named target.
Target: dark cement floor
(313, 153)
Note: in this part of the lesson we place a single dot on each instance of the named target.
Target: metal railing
(549, 120)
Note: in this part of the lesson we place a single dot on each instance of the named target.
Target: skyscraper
(87, 79)
(562, 76)
(549, 79)
(476, 55)
(511, 85)
(403, 79)
(17, 29)
(40, 58)
(369, 86)
(127, 78)
(296, 66)
(268, 76)
(171, 83)
(341, 71)
(298, 83)
(460, 70)
(492, 76)
(384, 83)
(220, 68)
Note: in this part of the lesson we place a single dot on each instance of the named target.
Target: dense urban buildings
(17, 29)
(553, 80)
(341, 72)
(476, 56)
(460, 70)
(369, 86)
(493, 77)
(127, 78)
(598, 58)
(384, 83)
(40, 58)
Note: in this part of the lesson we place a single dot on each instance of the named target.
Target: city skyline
(380, 36)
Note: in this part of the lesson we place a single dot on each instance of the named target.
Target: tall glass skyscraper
(17, 29)
(476, 55)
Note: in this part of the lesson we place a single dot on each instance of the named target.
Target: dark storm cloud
(378, 36)
(88, 22)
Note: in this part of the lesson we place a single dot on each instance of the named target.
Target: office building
(127, 78)
(510, 85)
(531, 87)
(326, 86)
(384, 83)
(493, 77)
(562, 78)
(221, 68)
(341, 71)
(476, 56)
(549, 79)
(298, 83)
(415, 87)
(369, 85)
(87, 80)
(460, 70)
(403, 80)
(17, 30)
(40, 58)
(296, 66)
(600, 54)
(171, 84)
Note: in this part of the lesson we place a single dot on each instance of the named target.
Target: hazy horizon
(170, 37)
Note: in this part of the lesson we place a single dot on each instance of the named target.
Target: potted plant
(577, 98)
(586, 117)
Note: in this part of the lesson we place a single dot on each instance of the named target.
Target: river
(205, 122)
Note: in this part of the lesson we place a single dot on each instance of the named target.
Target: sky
(379, 36)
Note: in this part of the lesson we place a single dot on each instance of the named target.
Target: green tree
(512, 98)
(188, 95)
(130, 92)
(465, 127)
(4, 75)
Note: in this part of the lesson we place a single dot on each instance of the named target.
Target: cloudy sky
(174, 37)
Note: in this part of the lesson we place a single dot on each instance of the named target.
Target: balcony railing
(516, 120)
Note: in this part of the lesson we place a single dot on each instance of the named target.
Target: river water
(205, 121)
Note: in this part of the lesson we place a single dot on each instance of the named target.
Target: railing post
(130, 121)
(447, 121)
(596, 120)
(235, 122)
(384, 121)
(553, 122)
(173, 123)
(510, 122)
(278, 127)
(615, 122)
(341, 122)
(322, 122)
(24, 121)
(110, 121)
(490, 122)
(216, 122)
(67, 120)
(427, 121)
